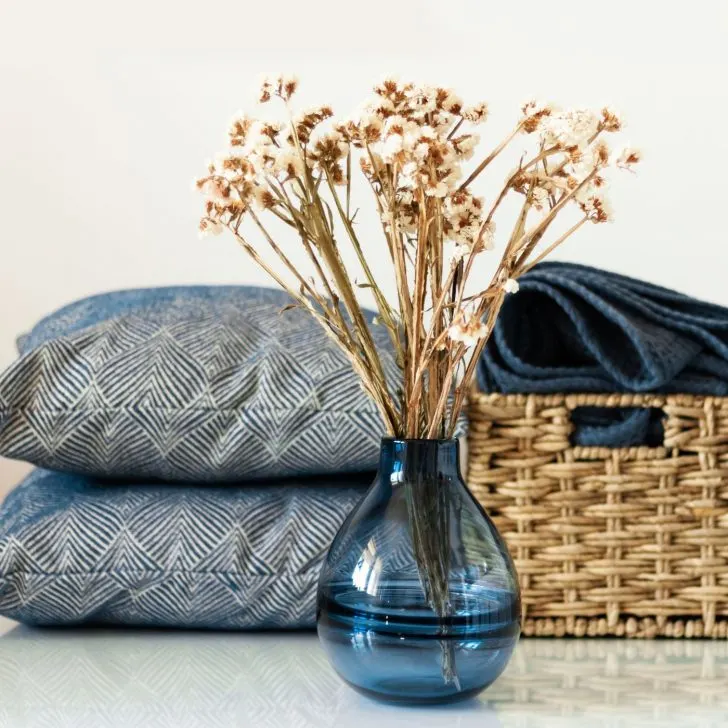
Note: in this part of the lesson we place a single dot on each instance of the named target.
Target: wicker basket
(629, 542)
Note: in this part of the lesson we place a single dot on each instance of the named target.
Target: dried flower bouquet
(411, 143)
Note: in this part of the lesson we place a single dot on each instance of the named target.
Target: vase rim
(442, 440)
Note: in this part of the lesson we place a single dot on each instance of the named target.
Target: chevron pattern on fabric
(78, 550)
(199, 384)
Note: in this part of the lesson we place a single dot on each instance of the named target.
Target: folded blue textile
(572, 328)
(81, 550)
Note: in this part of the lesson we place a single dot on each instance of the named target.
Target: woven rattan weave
(629, 541)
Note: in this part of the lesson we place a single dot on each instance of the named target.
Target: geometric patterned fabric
(199, 384)
(76, 550)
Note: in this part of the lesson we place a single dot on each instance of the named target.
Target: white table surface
(146, 679)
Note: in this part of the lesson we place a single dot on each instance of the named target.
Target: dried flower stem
(545, 253)
(476, 172)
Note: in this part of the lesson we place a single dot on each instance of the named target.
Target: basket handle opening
(614, 427)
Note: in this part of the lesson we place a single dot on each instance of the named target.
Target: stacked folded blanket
(572, 328)
(197, 451)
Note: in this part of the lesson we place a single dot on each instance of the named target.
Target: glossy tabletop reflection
(99, 678)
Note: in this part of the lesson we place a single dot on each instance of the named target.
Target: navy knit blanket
(572, 328)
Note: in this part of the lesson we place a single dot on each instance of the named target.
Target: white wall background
(109, 110)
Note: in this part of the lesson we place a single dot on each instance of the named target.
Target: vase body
(418, 598)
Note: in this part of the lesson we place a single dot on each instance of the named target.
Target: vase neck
(411, 460)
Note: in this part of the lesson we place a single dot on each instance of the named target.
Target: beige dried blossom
(597, 208)
(569, 128)
(611, 120)
(209, 226)
(628, 157)
(462, 217)
(476, 114)
(239, 128)
(327, 152)
(468, 332)
(283, 86)
(534, 112)
(287, 164)
(305, 122)
(464, 145)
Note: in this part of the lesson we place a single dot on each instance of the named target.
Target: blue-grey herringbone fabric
(572, 328)
(77, 550)
(188, 384)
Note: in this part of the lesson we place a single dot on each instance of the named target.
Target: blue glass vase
(418, 598)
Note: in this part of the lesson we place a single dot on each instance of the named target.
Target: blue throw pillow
(188, 384)
(77, 550)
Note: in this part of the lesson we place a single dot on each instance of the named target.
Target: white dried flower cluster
(264, 155)
(467, 331)
(416, 145)
(209, 226)
(410, 135)
(281, 85)
(463, 217)
(327, 154)
(405, 128)
(572, 159)
(570, 128)
(628, 157)
(408, 132)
